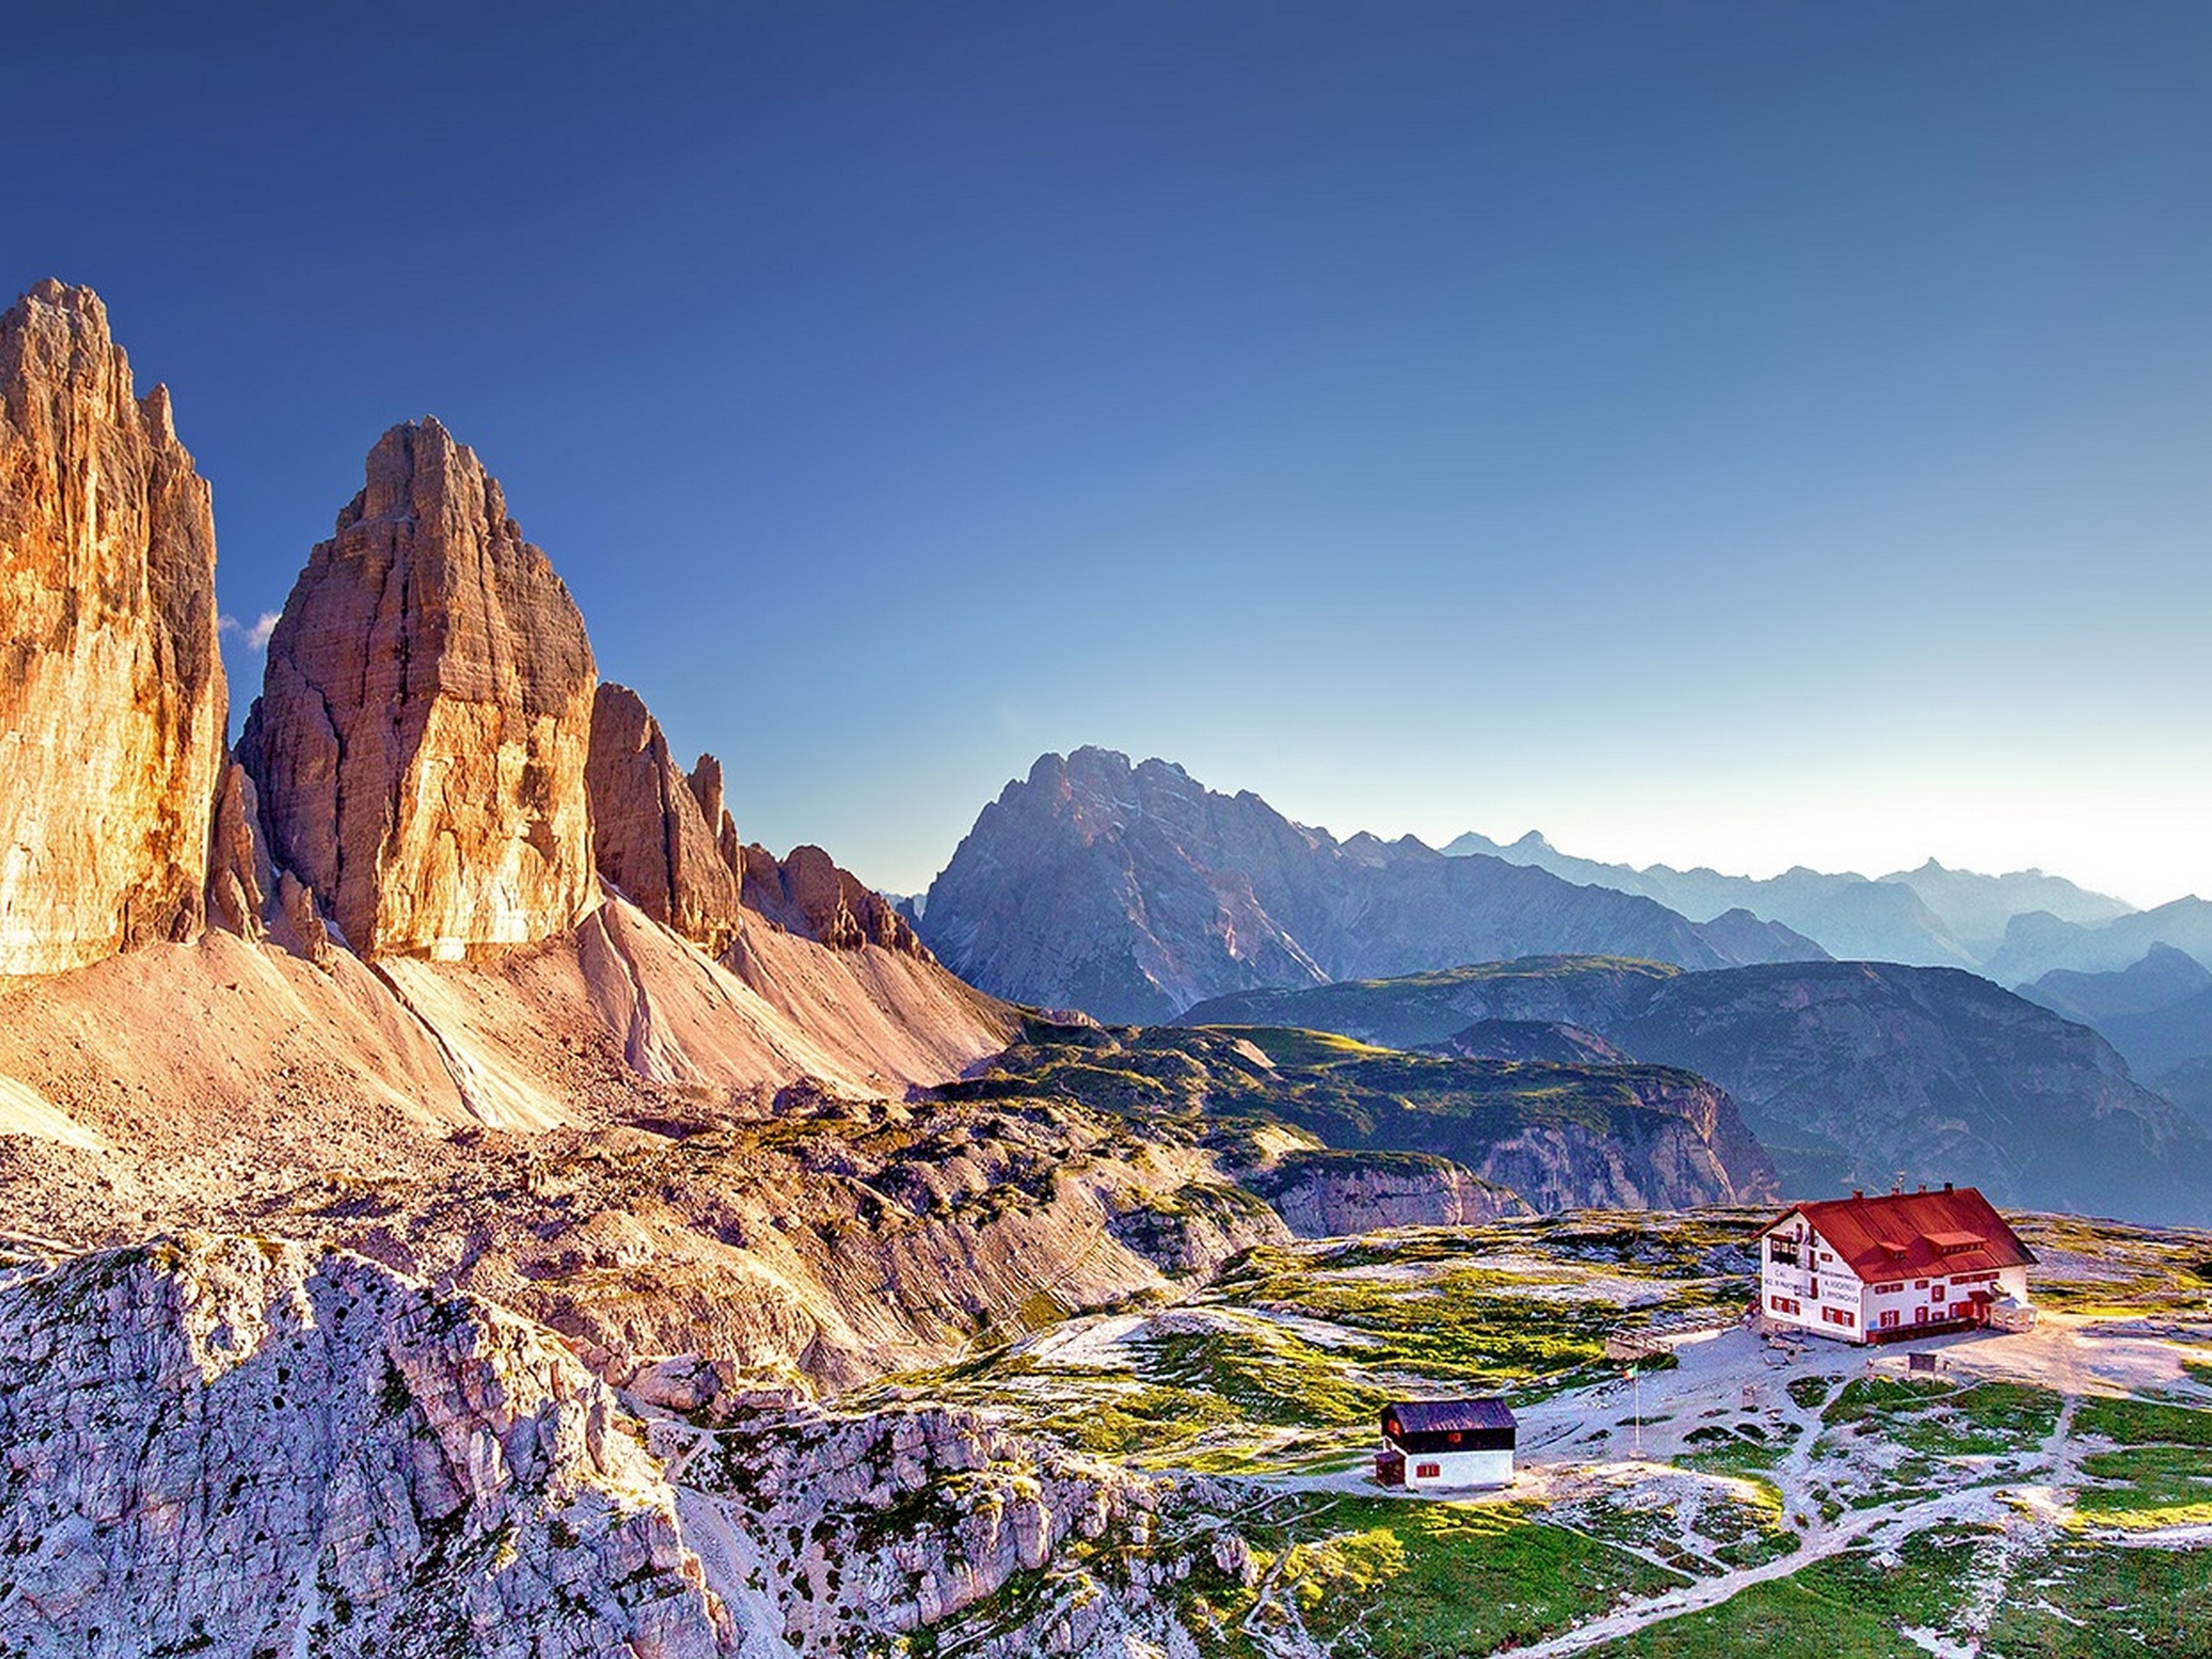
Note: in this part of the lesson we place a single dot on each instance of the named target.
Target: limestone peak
(426, 713)
(112, 703)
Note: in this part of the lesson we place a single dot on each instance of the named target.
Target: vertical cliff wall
(425, 718)
(654, 829)
(111, 696)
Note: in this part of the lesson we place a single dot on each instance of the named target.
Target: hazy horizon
(1598, 847)
(1715, 435)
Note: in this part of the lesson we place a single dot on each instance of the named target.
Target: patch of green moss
(2140, 1422)
(2096, 1602)
(2149, 1486)
(1848, 1607)
(1435, 1580)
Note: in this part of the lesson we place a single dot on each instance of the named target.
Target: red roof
(1895, 1235)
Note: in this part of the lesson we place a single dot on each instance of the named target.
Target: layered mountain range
(2157, 1011)
(1849, 1073)
(1131, 892)
(2142, 979)
(1134, 893)
(2027, 930)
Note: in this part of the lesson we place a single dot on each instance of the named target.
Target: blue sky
(1739, 434)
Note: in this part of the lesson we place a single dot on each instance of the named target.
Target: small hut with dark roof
(1455, 1443)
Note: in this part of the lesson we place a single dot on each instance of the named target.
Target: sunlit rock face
(808, 894)
(111, 695)
(425, 718)
(654, 828)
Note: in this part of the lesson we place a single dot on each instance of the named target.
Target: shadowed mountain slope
(1848, 1073)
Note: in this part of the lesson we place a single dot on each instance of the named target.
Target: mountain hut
(1447, 1443)
(1905, 1264)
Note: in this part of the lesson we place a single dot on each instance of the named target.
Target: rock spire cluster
(432, 768)
(808, 894)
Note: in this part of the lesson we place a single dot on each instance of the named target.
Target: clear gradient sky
(1736, 433)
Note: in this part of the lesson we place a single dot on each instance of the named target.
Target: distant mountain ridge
(2036, 943)
(1932, 916)
(2158, 1011)
(1133, 891)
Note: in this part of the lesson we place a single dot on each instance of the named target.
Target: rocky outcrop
(1133, 892)
(1559, 1137)
(421, 738)
(942, 1530)
(232, 1447)
(1675, 1141)
(1292, 1115)
(658, 834)
(809, 895)
(239, 879)
(112, 702)
(1322, 1194)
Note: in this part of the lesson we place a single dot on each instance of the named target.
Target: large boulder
(112, 703)
(421, 738)
(651, 827)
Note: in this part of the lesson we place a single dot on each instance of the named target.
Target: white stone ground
(1579, 1454)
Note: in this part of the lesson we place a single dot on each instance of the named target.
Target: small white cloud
(257, 637)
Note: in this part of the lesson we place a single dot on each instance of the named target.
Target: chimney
(1856, 1193)
(1923, 1186)
(1947, 1186)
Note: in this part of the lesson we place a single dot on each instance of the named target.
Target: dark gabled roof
(1896, 1234)
(1444, 1416)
